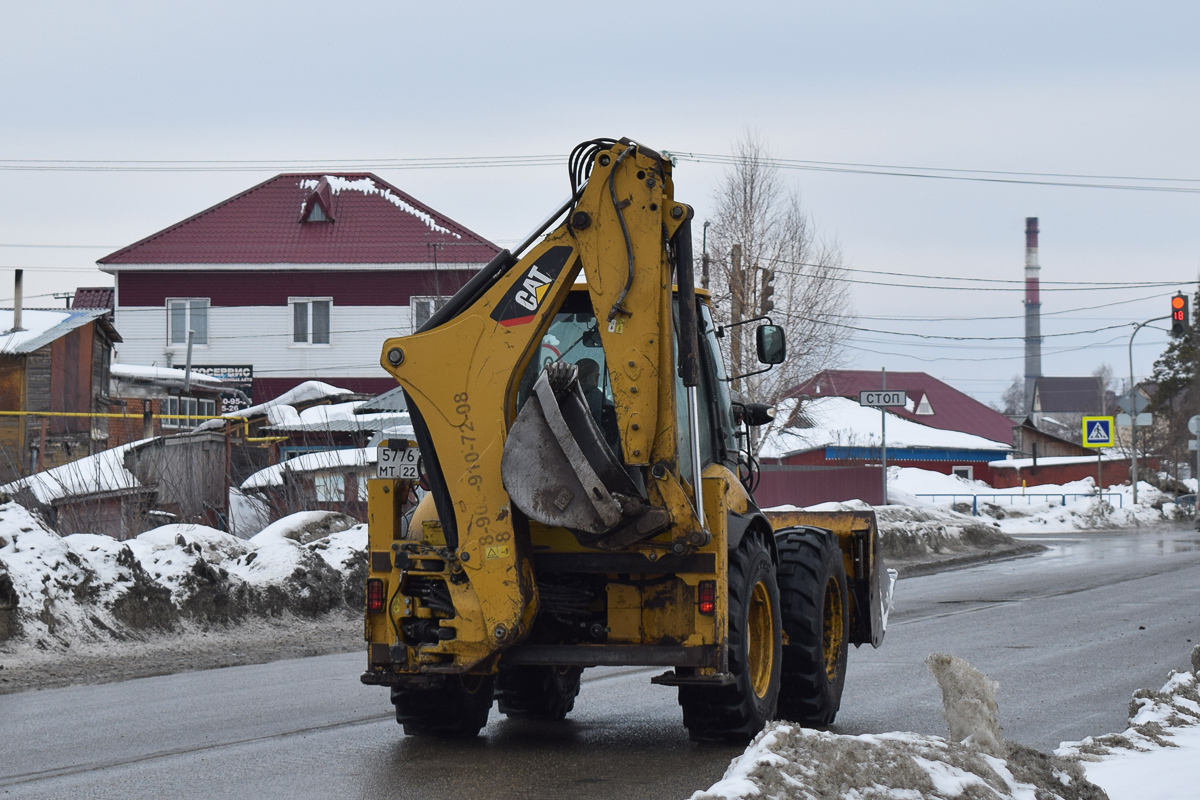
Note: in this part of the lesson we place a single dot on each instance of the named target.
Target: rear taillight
(376, 595)
(706, 593)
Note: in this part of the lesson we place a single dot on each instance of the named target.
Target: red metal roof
(373, 223)
(952, 410)
(93, 297)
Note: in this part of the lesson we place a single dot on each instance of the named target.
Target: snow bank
(788, 761)
(1159, 754)
(1050, 507)
(85, 587)
(1157, 757)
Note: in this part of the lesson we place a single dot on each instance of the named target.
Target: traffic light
(768, 291)
(1179, 315)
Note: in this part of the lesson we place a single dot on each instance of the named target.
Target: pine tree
(1176, 369)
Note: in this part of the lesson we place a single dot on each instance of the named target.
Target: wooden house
(53, 361)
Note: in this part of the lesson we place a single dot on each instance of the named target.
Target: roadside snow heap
(57, 590)
(1155, 758)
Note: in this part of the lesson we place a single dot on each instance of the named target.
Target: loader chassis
(564, 526)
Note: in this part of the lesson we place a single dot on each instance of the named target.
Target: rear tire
(537, 692)
(737, 712)
(816, 612)
(455, 710)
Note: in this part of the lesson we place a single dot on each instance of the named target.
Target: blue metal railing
(1012, 498)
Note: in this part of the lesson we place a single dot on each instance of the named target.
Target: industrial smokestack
(1033, 312)
(18, 298)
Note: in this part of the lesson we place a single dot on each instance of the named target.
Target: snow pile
(787, 761)
(918, 531)
(1036, 508)
(58, 590)
(1159, 754)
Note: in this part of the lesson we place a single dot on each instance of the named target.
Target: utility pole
(883, 430)
(437, 283)
(704, 256)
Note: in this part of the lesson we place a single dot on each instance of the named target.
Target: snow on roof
(41, 326)
(372, 222)
(335, 417)
(838, 421)
(367, 186)
(103, 472)
(310, 462)
(138, 372)
(279, 409)
(931, 402)
(1021, 463)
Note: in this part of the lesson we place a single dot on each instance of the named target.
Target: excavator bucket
(557, 467)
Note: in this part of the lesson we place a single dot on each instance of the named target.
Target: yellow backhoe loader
(585, 506)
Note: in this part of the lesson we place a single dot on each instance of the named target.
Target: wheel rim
(760, 640)
(835, 629)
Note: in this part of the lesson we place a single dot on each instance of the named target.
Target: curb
(931, 566)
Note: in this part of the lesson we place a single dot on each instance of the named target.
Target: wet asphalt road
(1069, 634)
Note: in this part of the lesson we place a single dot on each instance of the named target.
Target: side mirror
(772, 348)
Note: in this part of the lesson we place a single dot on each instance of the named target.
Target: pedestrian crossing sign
(1097, 431)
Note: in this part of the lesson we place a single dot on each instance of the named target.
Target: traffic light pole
(1133, 412)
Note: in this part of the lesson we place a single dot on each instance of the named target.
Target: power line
(981, 176)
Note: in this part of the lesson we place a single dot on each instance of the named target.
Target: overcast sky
(1088, 88)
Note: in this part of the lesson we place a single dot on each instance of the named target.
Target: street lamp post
(1133, 412)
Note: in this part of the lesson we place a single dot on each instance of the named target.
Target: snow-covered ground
(1036, 509)
(57, 590)
(1157, 758)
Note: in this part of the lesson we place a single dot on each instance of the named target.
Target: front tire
(737, 712)
(458, 709)
(816, 612)
(537, 692)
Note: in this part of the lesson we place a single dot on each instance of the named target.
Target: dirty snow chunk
(304, 526)
(340, 550)
(968, 703)
(787, 762)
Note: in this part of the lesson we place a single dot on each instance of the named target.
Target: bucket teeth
(560, 374)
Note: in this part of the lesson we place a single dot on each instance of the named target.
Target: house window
(967, 473)
(176, 411)
(331, 488)
(422, 309)
(187, 314)
(310, 319)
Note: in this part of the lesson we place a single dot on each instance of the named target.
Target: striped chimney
(1033, 312)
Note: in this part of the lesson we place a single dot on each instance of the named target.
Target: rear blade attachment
(559, 471)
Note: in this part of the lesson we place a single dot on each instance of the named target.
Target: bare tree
(761, 237)
(1013, 398)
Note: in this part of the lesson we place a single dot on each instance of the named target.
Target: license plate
(398, 462)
